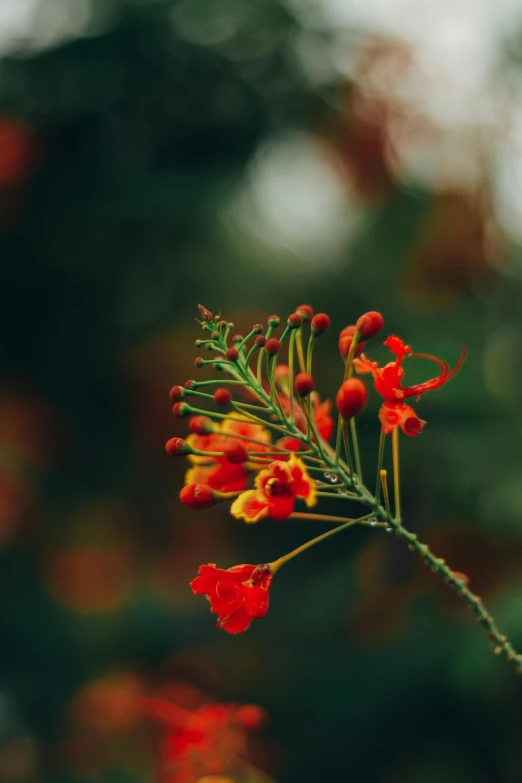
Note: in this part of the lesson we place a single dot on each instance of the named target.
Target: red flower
(237, 595)
(220, 473)
(388, 379)
(275, 493)
(323, 421)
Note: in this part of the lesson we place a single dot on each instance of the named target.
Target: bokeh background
(252, 156)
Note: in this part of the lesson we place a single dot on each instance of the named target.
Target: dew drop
(373, 522)
(389, 529)
(327, 476)
(344, 491)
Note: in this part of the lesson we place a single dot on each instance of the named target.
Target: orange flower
(218, 472)
(388, 379)
(275, 493)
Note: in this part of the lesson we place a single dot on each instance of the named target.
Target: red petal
(235, 623)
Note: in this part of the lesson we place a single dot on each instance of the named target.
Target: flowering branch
(225, 449)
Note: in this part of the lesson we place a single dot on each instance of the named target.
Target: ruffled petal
(280, 508)
(250, 506)
(397, 346)
(237, 622)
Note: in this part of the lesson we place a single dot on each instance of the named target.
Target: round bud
(198, 343)
(294, 320)
(232, 354)
(175, 446)
(190, 385)
(222, 397)
(260, 340)
(274, 320)
(201, 425)
(197, 496)
(251, 716)
(351, 398)
(345, 343)
(320, 323)
(180, 409)
(215, 335)
(177, 393)
(305, 311)
(272, 346)
(236, 453)
(370, 324)
(237, 338)
(304, 384)
(199, 361)
(257, 328)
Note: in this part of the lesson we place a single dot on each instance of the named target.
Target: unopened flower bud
(282, 371)
(201, 425)
(215, 335)
(197, 496)
(222, 397)
(273, 321)
(345, 341)
(304, 384)
(180, 409)
(205, 314)
(177, 393)
(257, 328)
(237, 338)
(294, 321)
(351, 398)
(235, 453)
(260, 340)
(370, 324)
(199, 361)
(305, 311)
(190, 385)
(320, 323)
(232, 354)
(272, 346)
(176, 446)
(251, 716)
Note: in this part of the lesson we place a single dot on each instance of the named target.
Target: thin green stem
(380, 456)
(396, 477)
(358, 466)
(276, 564)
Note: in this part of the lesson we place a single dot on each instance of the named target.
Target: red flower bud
(199, 361)
(257, 328)
(232, 354)
(251, 716)
(215, 335)
(272, 346)
(190, 385)
(260, 340)
(197, 496)
(345, 343)
(370, 324)
(351, 398)
(205, 314)
(304, 384)
(294, 320)
(177, 393)
(180, 409)
(222, 397)
(274, 320)
(237, 338)
(176, 446)
(320, 323)
(201, 425)
(305, 311)
(236, 453)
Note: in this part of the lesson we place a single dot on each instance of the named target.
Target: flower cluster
(261, 440)
(172, 729)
